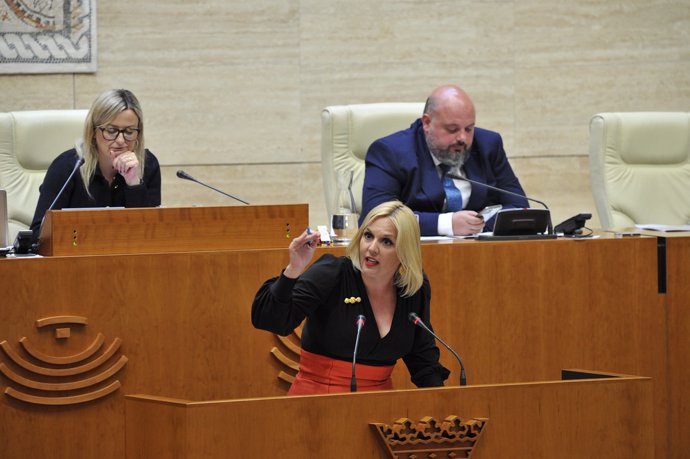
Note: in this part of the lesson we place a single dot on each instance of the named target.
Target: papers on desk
(435, 238)
(663, 228)
(447, 238)
(77, 209)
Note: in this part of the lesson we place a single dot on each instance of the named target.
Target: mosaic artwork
(47, 36)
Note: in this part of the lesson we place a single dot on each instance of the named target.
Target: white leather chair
(640, 168)
(346, 133)
(29, 142)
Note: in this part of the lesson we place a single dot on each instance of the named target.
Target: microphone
(549, 228)
(183, 175)
(416, 320)
(77, 165)
(360, 325)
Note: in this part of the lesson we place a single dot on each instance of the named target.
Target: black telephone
(573, 226)
(22, 244)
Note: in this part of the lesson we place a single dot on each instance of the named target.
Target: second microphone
(183, 175)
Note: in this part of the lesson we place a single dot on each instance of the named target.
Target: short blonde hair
(410, 275)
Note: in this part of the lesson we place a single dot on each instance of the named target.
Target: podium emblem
(429, 439)
(43, 379)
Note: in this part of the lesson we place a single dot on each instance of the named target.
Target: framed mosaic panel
(47, 36)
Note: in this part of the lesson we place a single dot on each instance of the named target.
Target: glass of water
(344, 227)
(344, 218)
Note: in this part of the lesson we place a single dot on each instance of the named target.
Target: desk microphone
(549, 228)
(183, 175)
(77, 165)
(416, 320)
(360, 324)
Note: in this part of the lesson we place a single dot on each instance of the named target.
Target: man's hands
(467, 222)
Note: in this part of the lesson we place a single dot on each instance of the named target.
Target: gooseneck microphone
(183, 175)
(416, 320)
(353, 381)
(549, 227)
(77, 165)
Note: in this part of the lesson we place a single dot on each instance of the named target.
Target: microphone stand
(353, 381)
(416, 320)
(549, 227)
(183, 175)
(77, 165)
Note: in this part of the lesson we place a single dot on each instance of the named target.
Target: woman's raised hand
(301, 252)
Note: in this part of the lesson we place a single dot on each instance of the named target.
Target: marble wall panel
(562, 183)
(358, 32)
(576, 59)
(554, 104)
(224, 87)
(256, 184)
(35, 92)
(586, 32)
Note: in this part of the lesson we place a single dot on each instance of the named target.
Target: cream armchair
(640, 168)
(346, 133)
(29, 142)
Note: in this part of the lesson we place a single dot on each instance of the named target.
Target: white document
(487, 213)
(663, 228)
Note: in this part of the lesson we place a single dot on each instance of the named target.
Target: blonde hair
(104, 109)
(410, 275)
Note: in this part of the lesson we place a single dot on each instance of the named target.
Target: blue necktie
(453, 195)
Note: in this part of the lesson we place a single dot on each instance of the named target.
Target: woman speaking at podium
(378, 283)
(115, 168)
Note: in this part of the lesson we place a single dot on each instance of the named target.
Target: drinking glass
(344, 218)
(344, 226)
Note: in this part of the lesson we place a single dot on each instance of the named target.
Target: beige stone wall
(232, 90)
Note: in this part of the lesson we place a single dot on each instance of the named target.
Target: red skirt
(323, 375)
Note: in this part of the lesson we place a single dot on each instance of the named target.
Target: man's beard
(447, 157)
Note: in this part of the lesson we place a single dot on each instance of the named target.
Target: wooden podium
(591, 418)
(182, 320)
(73, 232)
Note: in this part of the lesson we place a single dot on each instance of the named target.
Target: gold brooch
(353, 300)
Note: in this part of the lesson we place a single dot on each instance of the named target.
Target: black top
(148, 194)
(318, 294)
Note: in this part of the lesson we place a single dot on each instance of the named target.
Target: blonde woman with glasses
(117, 169)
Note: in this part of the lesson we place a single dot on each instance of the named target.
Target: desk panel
(514, 311)
(678, 383)
(601, 418)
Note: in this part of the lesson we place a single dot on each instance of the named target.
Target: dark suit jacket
(400, 166)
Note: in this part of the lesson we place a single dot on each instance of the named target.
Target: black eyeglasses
(111, 132)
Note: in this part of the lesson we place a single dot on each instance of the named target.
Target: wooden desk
(73, 232)
(677, 252)
(515, 311)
